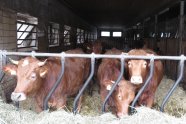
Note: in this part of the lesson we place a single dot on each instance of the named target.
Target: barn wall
(7, 29)
(48, 11)
(7, 42)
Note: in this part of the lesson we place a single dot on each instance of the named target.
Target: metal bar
(181, 69)
(144, 86)
(98, 56)
(3, 62)
(1, 65)
(85, 85)
(181, 26)
(19, 27)
(23, 32)
(114, 85)
(26, 23)
(45, 104)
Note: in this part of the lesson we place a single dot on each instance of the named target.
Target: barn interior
(53, 26)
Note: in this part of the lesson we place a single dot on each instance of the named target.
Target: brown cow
(138, 70)
(97, 48)
(36, 78)
(124, 93)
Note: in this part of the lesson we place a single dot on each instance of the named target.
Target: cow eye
(145, 64)
(119, 97)
(33, 76)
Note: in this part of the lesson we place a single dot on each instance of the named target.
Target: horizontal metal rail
(122, 56)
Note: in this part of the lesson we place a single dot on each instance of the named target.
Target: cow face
(137, 71)
(123, 95)
(30, 73)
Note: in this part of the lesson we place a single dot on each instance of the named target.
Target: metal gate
(181, 59)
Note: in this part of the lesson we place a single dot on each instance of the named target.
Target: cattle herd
(36, 77)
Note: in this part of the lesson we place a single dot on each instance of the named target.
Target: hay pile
(9, 115)
(91, 112)
(176, 105)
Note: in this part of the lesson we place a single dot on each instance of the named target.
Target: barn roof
(116, 13)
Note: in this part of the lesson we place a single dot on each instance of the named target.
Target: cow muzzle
(18, 96)
(136, 80)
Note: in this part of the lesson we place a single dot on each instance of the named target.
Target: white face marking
(112, 82)
(88, 48)
(12, 72)
(109, 87)
(25, 63)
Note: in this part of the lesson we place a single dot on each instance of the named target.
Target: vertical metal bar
(181, 69)
(85, 85)
(114, 85)
(45, 104)
(181, 26)
(3, 62)
(144, 86)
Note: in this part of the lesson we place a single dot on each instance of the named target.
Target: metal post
(85, 85)
(3, 62)
(156, 31)
(180, 69)
(181, 26)
(144, 86)
(114, 85)
(45, 104)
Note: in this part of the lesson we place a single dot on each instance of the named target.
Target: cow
(124, 93)
(138, 71)
(97, 48)
(35, 78)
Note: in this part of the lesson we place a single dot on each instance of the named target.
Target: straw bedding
(91, 114)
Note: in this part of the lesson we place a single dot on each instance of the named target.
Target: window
(80, 36)
(53, 34)
(105, 33)
(26, 31)
(117, 34)
(67, 30)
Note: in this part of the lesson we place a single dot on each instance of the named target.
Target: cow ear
(10, 69)
(43, 72)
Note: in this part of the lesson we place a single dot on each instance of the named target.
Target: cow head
(123, 95)
(138, 69)
(30, 73)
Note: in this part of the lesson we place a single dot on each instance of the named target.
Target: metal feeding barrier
(122, 57)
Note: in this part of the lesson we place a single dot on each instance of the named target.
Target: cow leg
(38, 105)
(61, 102)
(147, 99)
(90, 87)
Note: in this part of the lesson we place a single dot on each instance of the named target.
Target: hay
(9, 115)
(91, 113)
(176, 105)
